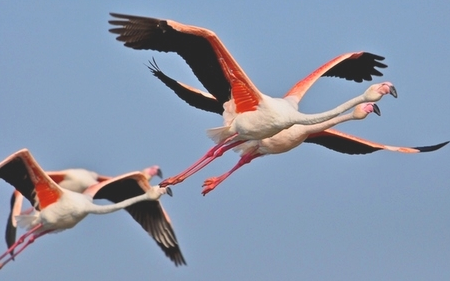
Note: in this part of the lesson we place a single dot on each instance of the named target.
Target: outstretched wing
(23, 172)
(191, 43)
(349, 144)
(355, 66)
(190, 95)
(202, 50)
(350, 66)
(149, 214)
(358, 67)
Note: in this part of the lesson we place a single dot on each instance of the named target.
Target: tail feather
(26, 221)
(218, 134)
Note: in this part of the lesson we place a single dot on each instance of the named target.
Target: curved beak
(393, 91)
(376, 109)
(169, 191)
(159, 173)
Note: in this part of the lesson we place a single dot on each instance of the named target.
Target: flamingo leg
(218, 153)
(17, 243)
(211, 183)
(210, 155)
(29, 241)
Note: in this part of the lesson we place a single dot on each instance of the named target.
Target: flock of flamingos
(254, 125)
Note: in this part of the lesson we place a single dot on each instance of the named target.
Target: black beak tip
(169, 191)
(159, 173)
(376, 110)
(393, 91)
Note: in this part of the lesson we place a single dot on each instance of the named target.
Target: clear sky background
(76, 97)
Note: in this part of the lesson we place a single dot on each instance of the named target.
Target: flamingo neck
(316, 128)
(105, 209)
(311, 119)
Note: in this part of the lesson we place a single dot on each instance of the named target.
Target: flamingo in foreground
(58, 208)
(255, 116)
(150, 214)
(288, 138)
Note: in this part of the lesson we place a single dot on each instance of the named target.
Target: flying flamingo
(288, 138)
(255, 115)
(59, 209)
(150, 215)
(76, 180)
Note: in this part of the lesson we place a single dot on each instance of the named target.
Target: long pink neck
(310, 119)
(105, 209)
(311, 129)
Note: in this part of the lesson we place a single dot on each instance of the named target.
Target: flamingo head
(377, 91)
(155, 192)
(152, 171)
(362, 110)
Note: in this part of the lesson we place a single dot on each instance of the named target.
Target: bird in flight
(58, 208)
(288, 138)
(149, 214)
(249, 114)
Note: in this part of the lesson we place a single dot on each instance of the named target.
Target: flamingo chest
(283, 141)
(265, 122)
(65, 213)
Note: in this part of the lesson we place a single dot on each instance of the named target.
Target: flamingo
(288, 138)
(59, 209)
(150, 215)
(249, 114)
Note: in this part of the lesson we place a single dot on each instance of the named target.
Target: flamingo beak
(169, 191)
(376, 109)
(159, 173)
(393, 91)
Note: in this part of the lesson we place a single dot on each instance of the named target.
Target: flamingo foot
(171, 181)
(210, 184)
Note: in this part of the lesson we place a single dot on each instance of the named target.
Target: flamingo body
(59, 209)
(149, 214)
(292, 137)
(251, 115)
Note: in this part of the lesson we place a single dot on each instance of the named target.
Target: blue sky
(76, 97)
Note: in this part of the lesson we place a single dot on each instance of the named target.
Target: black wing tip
(121, 16)
(431, 147)
(173, 253)
(179, 260)
(358, 69)
(127, 18)
(117, 16)
(375, 56)
(154, 68)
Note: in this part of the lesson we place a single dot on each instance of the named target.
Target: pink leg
(29, 241)
(212, 154)
(17, 243)
(218, 153)
(20, 240)
(211, 183)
